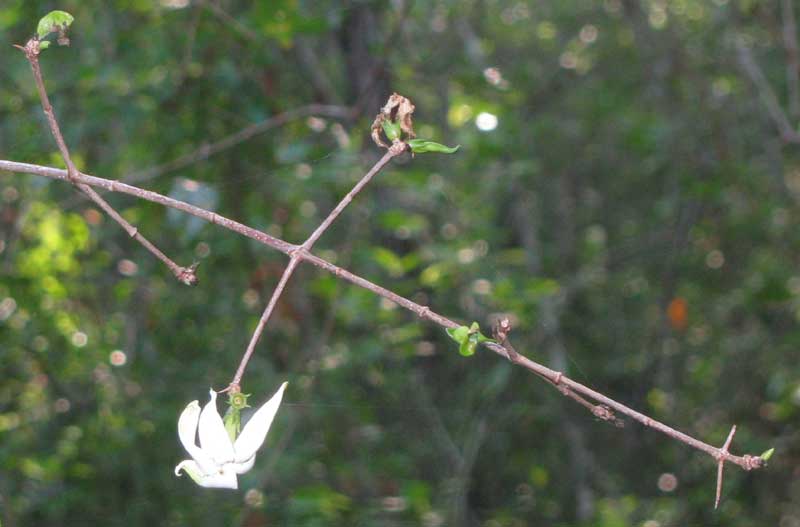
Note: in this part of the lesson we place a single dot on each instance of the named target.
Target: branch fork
(32, 49)
(398, 108)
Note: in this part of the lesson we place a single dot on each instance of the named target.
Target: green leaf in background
(423, 146)
(53, 22)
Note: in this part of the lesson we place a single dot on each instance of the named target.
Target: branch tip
(392, 119)
(188, 275)
(501, 329)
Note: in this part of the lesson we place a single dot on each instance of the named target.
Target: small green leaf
(422, 146)
(468, 338)
(53, 22)
(468, 346)
(475, 330)
(458, 334)
(44, 44)
(483, 338)
(392, 130)
(767, 454)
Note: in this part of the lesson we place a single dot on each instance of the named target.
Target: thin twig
(776, 113)
(746, 462)
(297, 257)
(598, 410)
(303, 52)
(382, 162)
(205, 151)
(792, 57)
(240, 28)
(186, 275)
(276, 294)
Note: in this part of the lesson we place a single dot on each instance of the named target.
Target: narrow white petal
(214, 439)
(187, 432)
(225, 478)
(187, 425)
(255, 431)
(241, 468)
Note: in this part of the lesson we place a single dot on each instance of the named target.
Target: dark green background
(633, 167)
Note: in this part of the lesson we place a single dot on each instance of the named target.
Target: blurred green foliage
(620, 193)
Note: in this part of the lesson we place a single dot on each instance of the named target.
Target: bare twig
(501, 331)
(747, 462)
(776, 113)
(186, 275)
(251, 346)
(304, 54)
(223, 15)
(792, 57)
(307, 56)
(297, 256)
(205, 151)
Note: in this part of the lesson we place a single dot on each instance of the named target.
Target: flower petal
(225, 478)
(241, 468)
(187, 431)
(255, 431)
(214, 440)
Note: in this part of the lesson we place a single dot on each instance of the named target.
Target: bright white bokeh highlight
(486, 122)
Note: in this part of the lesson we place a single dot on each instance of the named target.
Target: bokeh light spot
(486, 122)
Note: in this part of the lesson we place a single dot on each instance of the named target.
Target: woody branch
(747, 462)
(31, 49)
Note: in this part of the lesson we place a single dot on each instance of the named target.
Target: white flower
(217, 461)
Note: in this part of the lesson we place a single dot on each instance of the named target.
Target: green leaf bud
(422, 146)
(53, 22)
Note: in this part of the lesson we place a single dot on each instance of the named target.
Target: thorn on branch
(721, 458)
